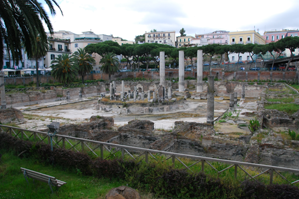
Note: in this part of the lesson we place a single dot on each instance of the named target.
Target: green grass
(295, 86)
(285, 100)
(288, 108)
(14, 185)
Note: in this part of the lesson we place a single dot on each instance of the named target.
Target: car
(206, 64)
(153, 69)
(292, 68)
(242, 68)
(188, 69)
(255, 68)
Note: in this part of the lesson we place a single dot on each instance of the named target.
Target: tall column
(181, 71)
(148, 95)
(163, 93)
(169, 93)
(122, 89)
(162, 68)
(243, 92)
(232, 103)
(235, 99)
(2, 87)
(154, 96)
(199, 71)
(210, 98)
(111, 90)
(134, 95)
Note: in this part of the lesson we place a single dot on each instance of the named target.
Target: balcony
(52, 49)
(60, 49)
(67, 50)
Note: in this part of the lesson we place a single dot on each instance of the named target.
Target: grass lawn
(14, 185)
(288, 108)
(295, 86)
(285, 100)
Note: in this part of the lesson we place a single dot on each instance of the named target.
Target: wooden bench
(52, 181)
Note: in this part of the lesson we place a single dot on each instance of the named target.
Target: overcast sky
(128, 18)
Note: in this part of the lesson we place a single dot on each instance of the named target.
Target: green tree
(239, 49)
(110, 64)
(290, 43)
(127, 50)
(104, 48)
(182, 32)
(260, 50)
(21, 23)
(84, 62)
(274, 50)
(249, 48)
(140, 38)
(64, 69)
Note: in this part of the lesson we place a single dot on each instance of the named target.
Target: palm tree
(21, 22)
(64, 69)
(84, 61)
(110, 64)
(40, 50)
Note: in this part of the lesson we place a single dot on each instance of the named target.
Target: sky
(129, 18)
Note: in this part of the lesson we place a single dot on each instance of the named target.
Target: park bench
(52, 181)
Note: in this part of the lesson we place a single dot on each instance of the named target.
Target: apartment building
(161, 37)
(217, 37)
(121, 41)
(183, 41)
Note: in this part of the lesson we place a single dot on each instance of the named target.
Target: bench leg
(49, 182)
(25, 176)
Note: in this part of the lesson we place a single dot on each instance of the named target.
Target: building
(217, 37)
(244, 37)
(77, 41)
(121, 41)
(161, 37)
(199, 41)
(183, 41)
(57, 47)
(23, 66)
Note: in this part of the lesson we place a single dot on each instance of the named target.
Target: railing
(97, 148)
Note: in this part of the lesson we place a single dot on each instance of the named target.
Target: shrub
(254, 125)
(293, 135)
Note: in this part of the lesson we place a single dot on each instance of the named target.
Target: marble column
(181, 72)
(148, 95)
(169, 93)
(232, 103)
(122, 89)
(210, 102)
(134, 95)
(154, 96)
(243, 92)
(199, 86)
(162, 68)
(235, 99)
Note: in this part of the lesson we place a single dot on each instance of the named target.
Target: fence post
(173, 160)
(102, 151)
(63, 142)
(146, 157)
(271, 176)
(82, 145)
(236, 171)
(203, 166)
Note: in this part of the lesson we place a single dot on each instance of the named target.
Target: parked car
(255, 68)
(206, 64)
(292, 68)
(153, 69)
(242, 68)
(188, 69)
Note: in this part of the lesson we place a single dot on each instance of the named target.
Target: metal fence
(98, 148)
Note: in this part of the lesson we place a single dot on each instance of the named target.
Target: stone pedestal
(162, 68)
(2, 88)
(199, 84)
(181, 71)
(210, 102)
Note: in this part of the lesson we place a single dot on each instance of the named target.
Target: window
(277, 36)
(241, 39)
(267, 38)
(180, 40)
(272, 37)
(59, 55)
(154, 35)
(50, 46)
(184, 40)
(158, 35)
(188, 39)
(179, 44)
(168, 34)
(148, 41)
(163, 35)
(248, 58)
(233, 39)
(240, 58)
(233, 58)
(76, 45)
(59, 47)
(282, 36)
(149, 35)
(248, 38)
(52, 56)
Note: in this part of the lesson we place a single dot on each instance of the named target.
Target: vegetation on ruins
(84, 62)
(254, 125)
(64, 69)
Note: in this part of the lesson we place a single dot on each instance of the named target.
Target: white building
(161, 37)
